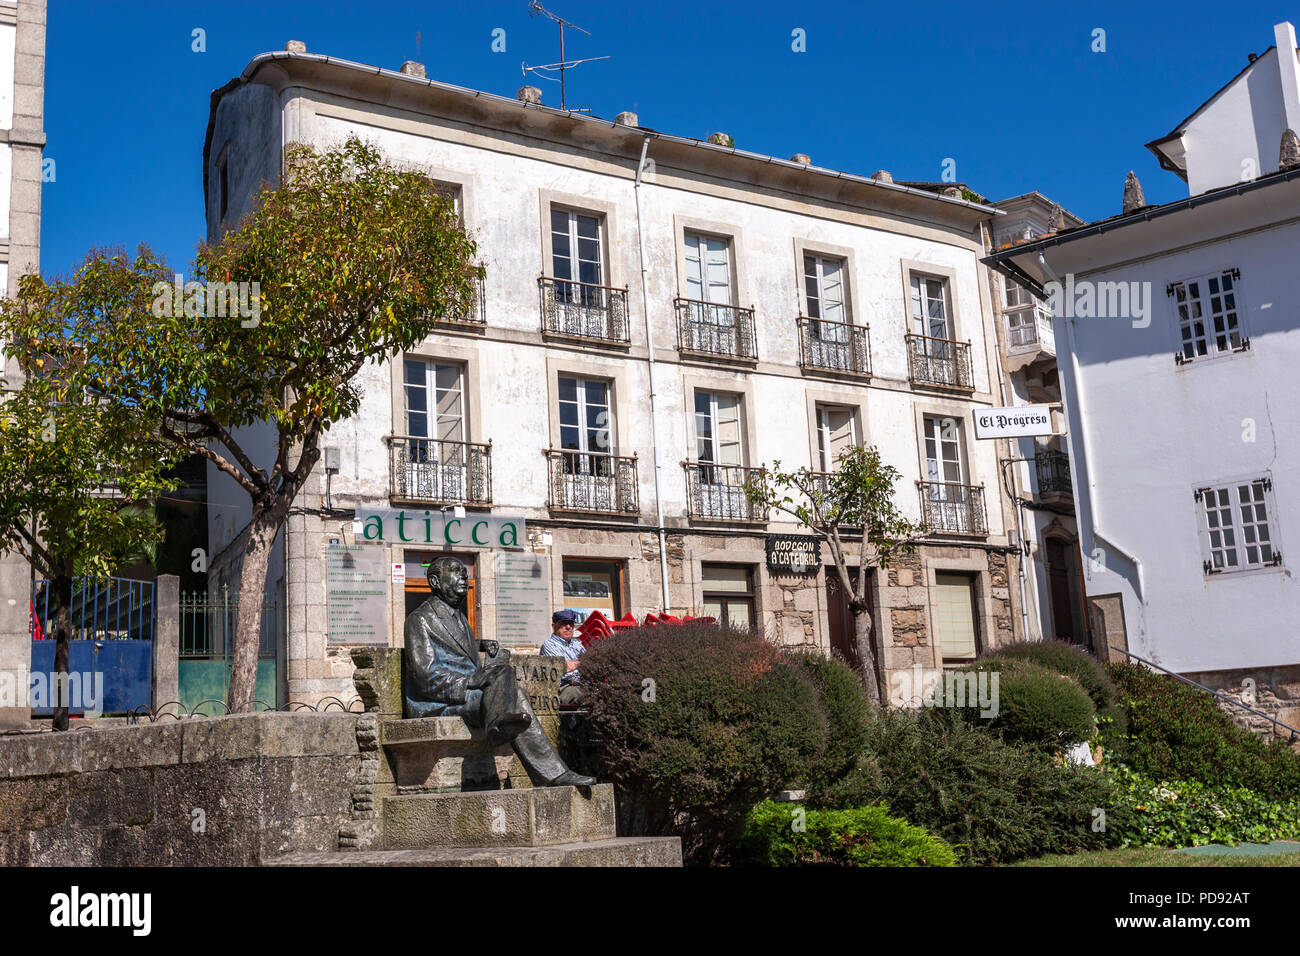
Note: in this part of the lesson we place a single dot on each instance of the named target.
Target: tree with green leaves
(349, 260)
(76, 472)
(852, 504)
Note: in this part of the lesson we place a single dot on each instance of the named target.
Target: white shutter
(954, 616)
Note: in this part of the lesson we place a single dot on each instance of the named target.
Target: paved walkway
(1244, 849)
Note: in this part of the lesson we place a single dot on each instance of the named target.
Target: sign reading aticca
(422, 526)
(1018, 422)
(794, 553)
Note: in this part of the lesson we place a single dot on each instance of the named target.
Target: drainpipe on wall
(1008, 400)
(1085, 488)
(650, 350)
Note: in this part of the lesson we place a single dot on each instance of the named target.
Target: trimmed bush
(848, 712)
(865, 836)
(1037, 707)
(1190, 813)
(992, 801)
(695, 725)
(1176, 732)
(1073, 661)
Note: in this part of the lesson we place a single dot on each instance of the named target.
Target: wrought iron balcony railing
(714, 329)
(942, 362)
(592, 482)
(834, 346)
(582, 310)
(435, 471)
(1053, 468)
(717, 492)
(477, 314)
(953, 508)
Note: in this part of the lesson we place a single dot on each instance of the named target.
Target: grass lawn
(1146, 856)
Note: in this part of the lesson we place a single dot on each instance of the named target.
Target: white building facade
(659, 317)
(1179, 340)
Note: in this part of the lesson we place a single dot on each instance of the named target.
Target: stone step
(499, 818)
(619, 851)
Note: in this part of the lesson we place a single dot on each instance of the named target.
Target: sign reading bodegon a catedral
(434, 527)
(794, 553)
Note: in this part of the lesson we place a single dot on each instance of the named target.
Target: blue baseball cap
(564, 617)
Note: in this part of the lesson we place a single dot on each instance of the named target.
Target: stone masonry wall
(216, 791)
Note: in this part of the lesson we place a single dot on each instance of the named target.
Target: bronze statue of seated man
(443, 678)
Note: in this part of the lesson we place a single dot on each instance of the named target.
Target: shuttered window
(954, 616)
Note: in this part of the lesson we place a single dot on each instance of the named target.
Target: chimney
(801, 158)
(1284, 37)
(1133, 198)
(411, 68)
(627, 118)
(529, 94)
(721, 139)
(1289, 153)
(882, 176)
(295, 46)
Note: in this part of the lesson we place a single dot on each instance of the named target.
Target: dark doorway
(839, 617)
(1058, 587)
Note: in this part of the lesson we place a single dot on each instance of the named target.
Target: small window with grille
(1210, 317)
(1238, 526)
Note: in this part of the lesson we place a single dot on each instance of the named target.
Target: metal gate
(110, 661)
(207, 637)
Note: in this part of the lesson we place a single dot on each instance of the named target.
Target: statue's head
(449, 580)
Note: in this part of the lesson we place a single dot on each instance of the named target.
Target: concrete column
(15, 642)
(1289, 70)
(167, 645)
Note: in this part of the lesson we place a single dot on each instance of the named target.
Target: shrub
(726, 722)
(864, 836)
(1073, 661)
(994, 801)
(848, 713)
(1190, 813)
(1176, 732)
(1036, 707)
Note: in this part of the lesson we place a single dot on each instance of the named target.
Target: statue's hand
(491, 648)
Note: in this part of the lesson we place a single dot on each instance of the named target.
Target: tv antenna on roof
(535, 8)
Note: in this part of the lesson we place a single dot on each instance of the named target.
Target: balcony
(951, 508)
(834, 347)
(476, 317)
(717, 492)
(943, 363)
(432, 471)
(592, 483)
(721, 331)
(1053, 471)
(579, 310)
(1029, 337)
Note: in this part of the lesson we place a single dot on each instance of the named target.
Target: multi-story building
(1038, 469)
(22, 141)
(660, 316)
(1180, 327)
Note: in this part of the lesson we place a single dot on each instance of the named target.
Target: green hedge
(1149, 812)
(1176, 732)
(1074, 662)
(848, 713)
(993, 801)
(1037, 707)
(865, 836)
(695, 725)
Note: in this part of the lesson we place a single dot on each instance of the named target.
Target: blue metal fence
(121, 609)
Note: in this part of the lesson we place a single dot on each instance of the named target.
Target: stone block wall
(218, 791)
(1270, 690)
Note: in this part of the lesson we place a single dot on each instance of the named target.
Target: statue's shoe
(508, 728)
(571, 779)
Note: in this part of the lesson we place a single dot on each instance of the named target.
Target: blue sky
(1011, 91)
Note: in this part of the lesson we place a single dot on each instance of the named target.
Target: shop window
(594, 586)
(729, 593)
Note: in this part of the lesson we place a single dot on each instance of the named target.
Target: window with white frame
(1235, 531)
(576, 255)
(823, 278)
(1015, 295)
(717, 432)
(943, 453)
(837, 430)
(436, 454)
(708, 269)
(930, 307)
(1209, 322)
